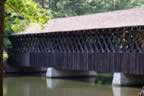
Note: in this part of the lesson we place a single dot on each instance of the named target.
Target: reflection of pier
(60, 83)
(125, 91)
(118, 91)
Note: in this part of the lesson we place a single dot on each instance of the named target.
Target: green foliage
(21, 13)
(63, 8)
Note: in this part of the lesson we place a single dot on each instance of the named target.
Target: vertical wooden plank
(141, 63)
(90, 63)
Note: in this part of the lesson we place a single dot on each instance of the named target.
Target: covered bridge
(104, 42)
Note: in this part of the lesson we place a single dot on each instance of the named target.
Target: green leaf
(23, 13)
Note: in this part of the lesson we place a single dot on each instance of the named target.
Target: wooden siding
(104, 50)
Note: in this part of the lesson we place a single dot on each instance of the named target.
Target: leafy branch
(30, 11)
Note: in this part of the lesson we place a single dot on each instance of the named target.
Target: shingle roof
(113, 19)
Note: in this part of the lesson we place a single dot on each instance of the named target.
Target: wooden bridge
(104, 42)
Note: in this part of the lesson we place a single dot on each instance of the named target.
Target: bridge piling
(122, 79)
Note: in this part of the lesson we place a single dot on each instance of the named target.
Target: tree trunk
(1, 43)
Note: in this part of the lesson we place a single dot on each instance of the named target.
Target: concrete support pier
(122, 79)
(53, 73)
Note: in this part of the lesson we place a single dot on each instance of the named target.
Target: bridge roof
(113, 19)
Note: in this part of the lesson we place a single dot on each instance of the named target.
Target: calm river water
(41, 86)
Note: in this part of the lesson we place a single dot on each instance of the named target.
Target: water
(41, 86)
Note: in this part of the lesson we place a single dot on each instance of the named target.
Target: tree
(21, 13)
(1, 40)
(63, 8)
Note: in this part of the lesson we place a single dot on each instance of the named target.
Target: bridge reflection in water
(37, 86)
